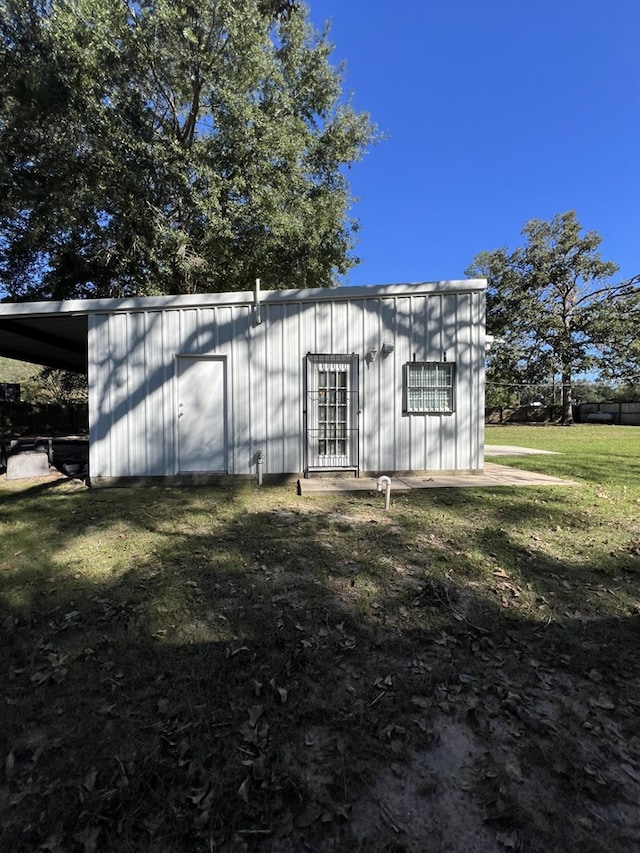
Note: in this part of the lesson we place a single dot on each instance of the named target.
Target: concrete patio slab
(492, 476)
(512, 450)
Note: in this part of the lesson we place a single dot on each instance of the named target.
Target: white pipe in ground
(386, 482)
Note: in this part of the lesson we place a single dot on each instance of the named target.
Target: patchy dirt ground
(546, 762)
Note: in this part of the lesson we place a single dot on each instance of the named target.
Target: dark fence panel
(50, 419)
(521, 414)
(624, 414)
(10, 391)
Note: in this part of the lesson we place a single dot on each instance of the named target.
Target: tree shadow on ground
(241, 677)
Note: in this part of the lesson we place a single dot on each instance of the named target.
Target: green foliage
(553, 309)
(15, 371)
(44, 384)
(62, 386)
(157, 147)
(614, 328)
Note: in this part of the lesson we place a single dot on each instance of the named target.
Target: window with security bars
(332, 412)
(429, 387)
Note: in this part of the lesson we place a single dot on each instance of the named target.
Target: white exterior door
(332, 412)
(202, 415)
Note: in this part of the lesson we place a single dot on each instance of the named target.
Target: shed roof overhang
(51, 339)
(55, 333)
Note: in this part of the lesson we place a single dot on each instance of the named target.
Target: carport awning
(53, 339)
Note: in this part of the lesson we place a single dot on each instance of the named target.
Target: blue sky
(495, 113)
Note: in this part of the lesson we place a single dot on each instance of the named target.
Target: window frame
(449, 388)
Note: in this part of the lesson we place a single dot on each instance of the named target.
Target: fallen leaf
(52, 844)
(202, 819)
(258, 769)
(308, 815)
(9, 765)
(343, 811)
(508, 840)
(90, 780)
(633, 774)
(152, 824)
(603, 702)
(243, 790)
(199, 794)
(255, 712)
(88, 837)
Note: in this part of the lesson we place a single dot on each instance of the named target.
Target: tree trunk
(567, 398)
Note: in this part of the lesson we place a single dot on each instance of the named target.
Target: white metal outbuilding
(357, 379)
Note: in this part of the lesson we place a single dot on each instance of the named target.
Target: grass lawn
(246, 669)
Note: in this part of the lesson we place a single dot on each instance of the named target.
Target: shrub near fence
(22, 419)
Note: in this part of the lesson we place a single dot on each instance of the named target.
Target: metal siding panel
(473, 334)
(307, 315)
(370, 387)
(273, 379)
(357, 346)
(402, 354)
(292, 359)
(464, 382)
(294, 454)
(140, 440)
(119, 395)
(98, 380)
(432, 350)
(450, 424)
(323, 327)
(172, 346)
(277, 362)
(389, 409)
(224, 329)
(159, 401)
(420, 312)
(241, 406)
(340, 327)
(189, 332)
(243, 411)
(171, 333)
(207, 330)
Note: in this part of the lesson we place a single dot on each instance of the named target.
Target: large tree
(168, 146)
(554, 309)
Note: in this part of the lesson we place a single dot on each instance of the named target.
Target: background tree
(163, 147)
(549, 304)
(615, 330)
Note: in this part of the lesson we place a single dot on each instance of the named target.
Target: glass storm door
(332, 412)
